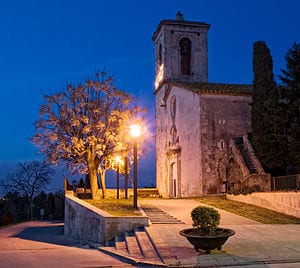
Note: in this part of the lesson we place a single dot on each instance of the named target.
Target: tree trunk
(92, 167)
(29, 210)
(102, 179)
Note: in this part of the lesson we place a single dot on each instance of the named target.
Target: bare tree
(29, 179)
(84, 125)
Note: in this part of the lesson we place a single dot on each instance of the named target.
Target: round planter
(207, 242)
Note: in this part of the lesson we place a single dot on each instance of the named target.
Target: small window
(221, 144)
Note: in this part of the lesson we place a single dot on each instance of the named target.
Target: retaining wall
(284, 202)
(86, 222)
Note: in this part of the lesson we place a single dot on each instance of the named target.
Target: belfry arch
(185, 45)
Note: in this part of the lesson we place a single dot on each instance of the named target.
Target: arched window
(185, 55)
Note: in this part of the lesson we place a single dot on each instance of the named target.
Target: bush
(206, 219)
(6, 218)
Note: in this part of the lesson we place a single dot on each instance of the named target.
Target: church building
(202, 144)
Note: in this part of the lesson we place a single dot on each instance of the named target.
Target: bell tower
(181, 51)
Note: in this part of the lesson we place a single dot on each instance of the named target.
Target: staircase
(135, 248)
(244, 152)
(157, 216)
(148, 192)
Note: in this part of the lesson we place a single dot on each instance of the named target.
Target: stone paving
(253, 245)
(38, 244)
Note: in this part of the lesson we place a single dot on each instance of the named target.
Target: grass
(116, 207)
(252, 212)
(124, 207)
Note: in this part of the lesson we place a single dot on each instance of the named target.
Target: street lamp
(135, 132)
(118, 161)
(126, 176)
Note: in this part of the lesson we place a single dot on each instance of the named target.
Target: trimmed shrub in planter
(206, 235)
(205, 219)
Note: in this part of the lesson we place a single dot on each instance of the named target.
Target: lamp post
(118, 161)
(126, 177)
(135, 131)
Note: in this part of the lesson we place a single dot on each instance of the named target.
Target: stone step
(120, 245)
(244, 152)
(133, 247)
(157, 216)
(148, 192)
(163, 249)
(146, 246)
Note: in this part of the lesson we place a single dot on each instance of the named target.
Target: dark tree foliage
(81, 183)
(267, 124)
(52, 203)
(14, 207)
(28, 180)
(291, 99)
(87, 182)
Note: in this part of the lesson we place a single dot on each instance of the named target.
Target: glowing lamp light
(118, 159)
(135, 131)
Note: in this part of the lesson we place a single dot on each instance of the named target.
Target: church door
(173, 181)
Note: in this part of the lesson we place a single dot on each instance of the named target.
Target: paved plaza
(38, 244)
(253, 245)
(42, 244)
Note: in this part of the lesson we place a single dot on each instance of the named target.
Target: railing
(290, 182)
(252, 155)
(246, 156)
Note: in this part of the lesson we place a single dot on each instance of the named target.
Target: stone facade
(196, 121)
(193, 142)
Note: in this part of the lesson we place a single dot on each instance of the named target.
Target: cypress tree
(291, 99)
(267, 127)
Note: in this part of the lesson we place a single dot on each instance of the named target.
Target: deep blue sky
(45, 43)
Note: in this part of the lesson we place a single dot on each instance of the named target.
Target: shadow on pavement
(47, 234)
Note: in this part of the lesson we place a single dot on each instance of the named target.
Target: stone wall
(187, 122)
(284, 202)
(222, 118)
(161, 122)
(172, 163)
(86, 222)
(263, 180)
